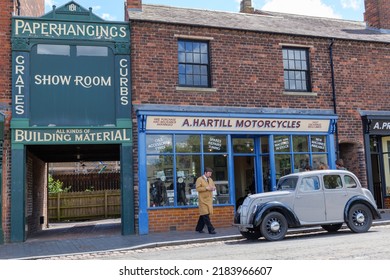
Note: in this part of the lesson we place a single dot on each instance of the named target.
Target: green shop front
(71, 102)
(249, 149)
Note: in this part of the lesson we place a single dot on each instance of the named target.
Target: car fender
(276, 206)
(363, 200)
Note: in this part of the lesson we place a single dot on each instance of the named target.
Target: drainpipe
(334, 96)
(18, 6)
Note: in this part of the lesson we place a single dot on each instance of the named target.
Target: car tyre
(359, 218)
(274, 226)
(332, 227)
(251, 235)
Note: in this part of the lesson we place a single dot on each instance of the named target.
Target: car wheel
(274, 226)
(251, 235)
(332, 227)
(359, 218)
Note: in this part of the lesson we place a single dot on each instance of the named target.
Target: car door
(309, 203)
(336, 197)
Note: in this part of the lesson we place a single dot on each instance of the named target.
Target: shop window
(296, 69)
(44, 49)
(264, 146)
(281, 144)
(194, 67)
(187, 143)
(91, 51)
(283, 165)
(174, 162)
(243, 145)
(156, 144)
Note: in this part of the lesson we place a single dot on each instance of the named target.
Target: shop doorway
(376, 177)
(98, 169)
(244, 177)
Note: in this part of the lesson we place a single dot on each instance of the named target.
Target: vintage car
(327, 198)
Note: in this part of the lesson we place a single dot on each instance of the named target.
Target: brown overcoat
(205, 197)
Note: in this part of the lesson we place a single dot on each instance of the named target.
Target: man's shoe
(200, 231)
(212, 232)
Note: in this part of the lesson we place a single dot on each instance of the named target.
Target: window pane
(181, 46)
(214, 144)
(182, 69)
(197, 80)
(290, 54)
(203, 70)
(187, 169)
(281, 144)
(319, 161)
(300, 162)
(318, 144)
(187, 143)
(182, 57)
(204, 48)
(196, 69)
(204, 59)
(283, 165)
(243, 145)
(196, 47)
(188, 46)
(204, 81)
(188, 69)
(196, 58)
(220, 176)
(91, 51)
(285, 56)
(53, 49)
(182, 79)
(189, 58)
(264, 144)
(300, 144)
(160, 180)
(189, 80)
(156, 144)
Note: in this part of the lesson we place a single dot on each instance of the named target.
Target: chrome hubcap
(360, 218)
(275, 226)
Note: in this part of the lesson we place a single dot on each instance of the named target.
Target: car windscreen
(287, 184)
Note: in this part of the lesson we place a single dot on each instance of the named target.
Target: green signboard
(71, 136)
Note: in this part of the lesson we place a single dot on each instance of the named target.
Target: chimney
(377, 13)
(246, 7)
(134, 5)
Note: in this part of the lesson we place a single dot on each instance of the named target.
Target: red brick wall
(31, 8)
(6, 8)
(377, 13)
(134, 4)
(247, 71)
(162, 220)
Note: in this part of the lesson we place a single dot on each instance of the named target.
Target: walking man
(205, 187)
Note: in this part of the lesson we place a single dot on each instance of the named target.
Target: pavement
(64, 239)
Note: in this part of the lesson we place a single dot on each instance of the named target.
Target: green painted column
(127, 189)
(18, 193)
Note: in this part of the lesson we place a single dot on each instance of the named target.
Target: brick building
(254, 95)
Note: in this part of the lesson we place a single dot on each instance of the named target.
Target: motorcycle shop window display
(185, 154)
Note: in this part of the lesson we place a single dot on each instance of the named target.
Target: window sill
(300, 93)
(196, 89)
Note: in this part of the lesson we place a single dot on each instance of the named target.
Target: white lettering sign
(19, 85)
(62, 80)
(56, 29)
(124, 81)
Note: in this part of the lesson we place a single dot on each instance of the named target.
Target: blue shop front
(248, 150)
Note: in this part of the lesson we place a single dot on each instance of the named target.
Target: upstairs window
(296, 69)
(194, 67)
